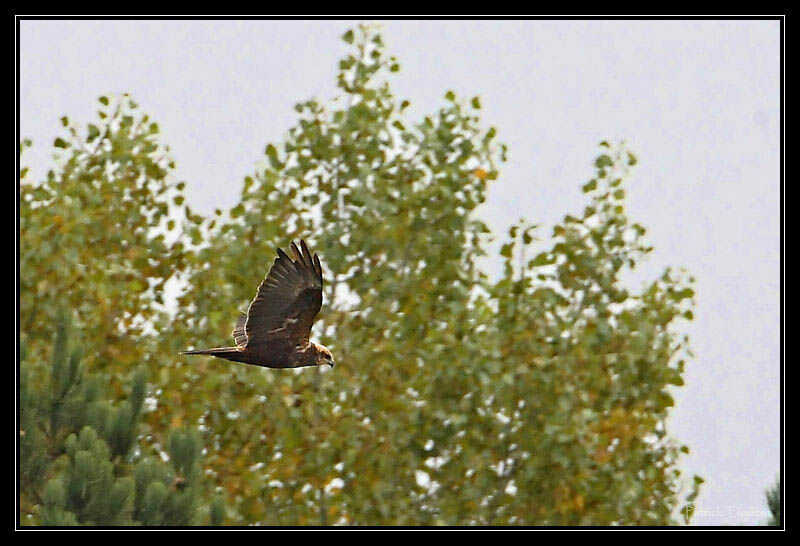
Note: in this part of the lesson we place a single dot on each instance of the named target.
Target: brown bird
(275, 331)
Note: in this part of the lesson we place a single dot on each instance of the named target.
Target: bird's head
(325, 356)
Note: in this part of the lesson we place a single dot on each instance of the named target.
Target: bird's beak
(332, 363)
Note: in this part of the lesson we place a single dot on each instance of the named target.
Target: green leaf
(541, 259)
(93, 132)
(603, 161)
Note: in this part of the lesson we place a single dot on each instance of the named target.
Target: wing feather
(239, 335)
(317, 268)
(287, 301)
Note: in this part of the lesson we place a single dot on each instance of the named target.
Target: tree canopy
(536, 397)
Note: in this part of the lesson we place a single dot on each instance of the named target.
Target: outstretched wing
(287, 301)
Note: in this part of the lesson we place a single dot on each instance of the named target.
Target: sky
(697, 101)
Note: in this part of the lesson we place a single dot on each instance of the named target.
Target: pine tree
(80, 461)
(774, 503)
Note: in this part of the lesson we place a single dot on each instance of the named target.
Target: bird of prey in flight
(275, 331)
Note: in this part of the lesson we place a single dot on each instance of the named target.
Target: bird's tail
(220, 351)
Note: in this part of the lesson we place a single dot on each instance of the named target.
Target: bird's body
(275, 332)
(267, 355)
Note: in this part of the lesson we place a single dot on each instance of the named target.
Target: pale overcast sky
(698, 101)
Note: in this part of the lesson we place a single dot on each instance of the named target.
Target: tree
(452, 389)
(80, 460)
(774, 504)
(102, 235)
(583, 370)
(95, 236)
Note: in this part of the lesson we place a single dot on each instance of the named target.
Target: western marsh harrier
(275, 331)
